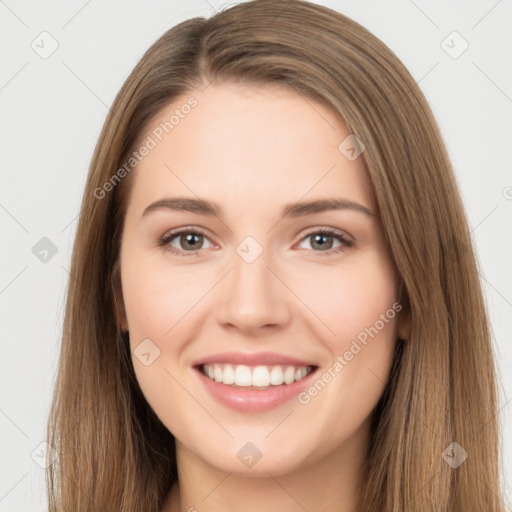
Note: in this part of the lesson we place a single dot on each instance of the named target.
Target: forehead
(247, 146)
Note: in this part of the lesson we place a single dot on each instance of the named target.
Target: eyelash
(164, 242)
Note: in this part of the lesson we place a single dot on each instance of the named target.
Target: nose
(254, 296)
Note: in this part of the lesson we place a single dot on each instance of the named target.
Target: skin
(252, 150)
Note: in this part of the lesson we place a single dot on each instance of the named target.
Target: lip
(260, 358)
(253, 400)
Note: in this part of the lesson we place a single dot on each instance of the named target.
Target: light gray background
(52, 111)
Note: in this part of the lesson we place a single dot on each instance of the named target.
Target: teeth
(258, 376)
(242, 375)
(229, 376)
(276, 376)
(300, 373)
(289, 375)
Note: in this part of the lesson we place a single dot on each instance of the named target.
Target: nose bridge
(253, 297)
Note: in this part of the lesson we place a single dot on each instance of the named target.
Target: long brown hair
(114, 453)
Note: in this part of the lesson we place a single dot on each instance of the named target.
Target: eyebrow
(294, 210)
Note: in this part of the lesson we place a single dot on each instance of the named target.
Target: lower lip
(254, 400)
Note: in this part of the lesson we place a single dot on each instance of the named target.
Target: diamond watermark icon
(249, 455)
(44, 455)
(351, 147)
(454, 455)
(44, 250)
(249, 249)
(146, 352)
(454, 45)
(45, 45)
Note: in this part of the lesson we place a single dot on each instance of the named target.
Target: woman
(216, 356)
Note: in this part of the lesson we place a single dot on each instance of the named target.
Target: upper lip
(259, 358)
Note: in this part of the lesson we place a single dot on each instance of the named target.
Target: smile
(253, 383)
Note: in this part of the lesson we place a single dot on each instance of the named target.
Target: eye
(322, 238)
(188, 241)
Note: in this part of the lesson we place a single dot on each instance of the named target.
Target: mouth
(256, 377)
(253, 383)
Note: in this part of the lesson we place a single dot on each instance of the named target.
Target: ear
(118, 301)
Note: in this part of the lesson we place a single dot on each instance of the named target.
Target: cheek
(351, 298)
(366, 303)
(156, 297)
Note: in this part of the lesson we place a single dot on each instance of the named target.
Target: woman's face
(252, 295)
